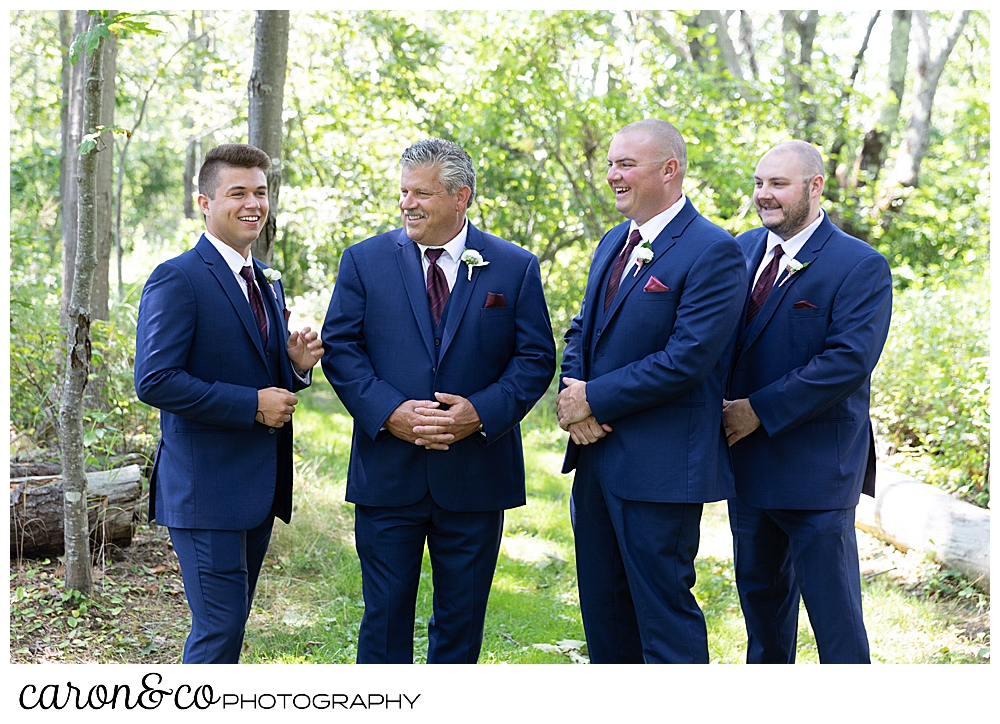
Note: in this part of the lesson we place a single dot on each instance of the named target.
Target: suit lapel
(604, 258)
(753, 256)
(783, 283)
(661, 245)
(277, 330)
(459, 298)
(227, 280)
(411, 269)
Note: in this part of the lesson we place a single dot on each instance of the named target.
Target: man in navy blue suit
(643, 375)
(438, 343)
(213, 352)
(817, 315)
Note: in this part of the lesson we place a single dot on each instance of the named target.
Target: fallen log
(36, 510)
(24, 470)
(910, 514)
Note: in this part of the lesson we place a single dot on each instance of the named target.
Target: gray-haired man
(438, 343)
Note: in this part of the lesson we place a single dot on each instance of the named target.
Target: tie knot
(634, 238)
(247, 273)
(433, 255)
(778, 251)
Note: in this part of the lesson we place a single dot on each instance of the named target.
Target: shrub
(930, 391)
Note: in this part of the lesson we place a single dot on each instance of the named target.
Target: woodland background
(897, 101)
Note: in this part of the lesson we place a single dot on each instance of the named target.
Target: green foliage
(118, 24)
(115, 422)
(931, 388)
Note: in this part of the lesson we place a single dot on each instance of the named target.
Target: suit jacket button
(598, 333)
(270, 431)
(437, 342)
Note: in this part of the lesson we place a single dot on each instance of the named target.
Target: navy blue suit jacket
(200, 360)
(805, 363)
(382, 349)
(656, 364)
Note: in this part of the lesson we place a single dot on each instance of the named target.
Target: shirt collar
(652, 228)
(453, 248)
(234, 260)
(792, 246)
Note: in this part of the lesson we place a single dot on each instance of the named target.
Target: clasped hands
(575, 415)
(424, 423)
(275, 405)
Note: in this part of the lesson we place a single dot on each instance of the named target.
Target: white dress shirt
(235, 261)
(450, 260)
(789, 248)
(651, 229)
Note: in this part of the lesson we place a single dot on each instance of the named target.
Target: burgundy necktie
(256, 302)
(616, 271)
(763, 286)
(437, 285)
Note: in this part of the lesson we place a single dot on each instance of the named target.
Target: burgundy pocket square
(803, 304)
(288, 314)
(655, 285)
(494, 301)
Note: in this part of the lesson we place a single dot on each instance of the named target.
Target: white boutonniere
(793, 267)
(643, 253)
(472, 259)
(272, 275)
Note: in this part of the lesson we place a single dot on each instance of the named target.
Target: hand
(588, 431)
(446, 426)
(275, 406)
(572, 405)
(405, 417)
(739, 419)
(305, 348)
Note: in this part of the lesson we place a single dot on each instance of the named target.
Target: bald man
(643, 377)
(816, 318)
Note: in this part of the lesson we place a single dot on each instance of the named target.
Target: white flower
(472, 259)
(793, 266)
(643, 253)
(272, 275)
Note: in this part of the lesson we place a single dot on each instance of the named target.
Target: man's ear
(463, 195)
(670, 169)
(816, 186)
(203, 203)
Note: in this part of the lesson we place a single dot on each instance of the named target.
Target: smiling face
(238, 209)
(431, 216)
(785, 195)
(640, 177)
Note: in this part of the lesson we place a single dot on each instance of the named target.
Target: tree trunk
(879, 139)
(840, 182)
(266, 90)
(36, 510)
(911, 155)
(104, 204)
(192, 153)
(798, 32)
(726, 48)
(72, 130)
(76, 528)
(747, 40)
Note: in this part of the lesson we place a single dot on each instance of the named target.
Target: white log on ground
(911, 514)
(36, 510)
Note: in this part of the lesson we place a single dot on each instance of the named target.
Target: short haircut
(807, 155)
(667, 139)
(229, 155)
(454, 164)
